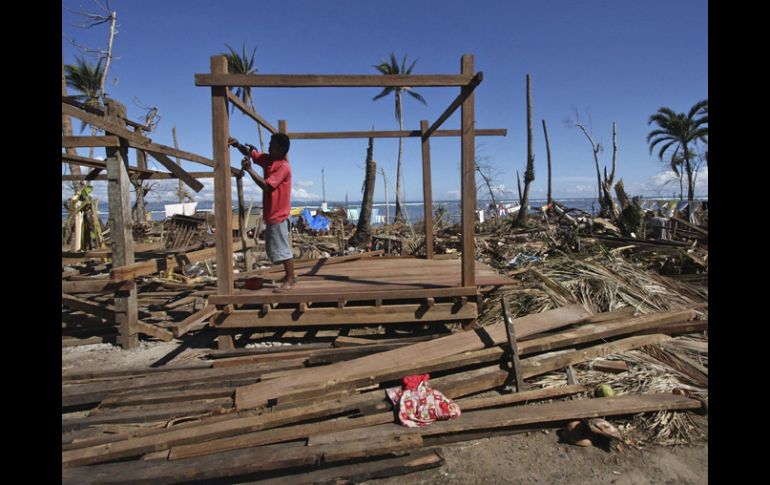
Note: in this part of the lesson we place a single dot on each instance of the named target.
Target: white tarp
(187, 209)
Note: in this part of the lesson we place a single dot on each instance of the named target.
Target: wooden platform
(366, 291)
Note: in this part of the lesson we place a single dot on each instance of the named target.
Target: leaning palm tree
(243, 64)
(392, 68)
(678, 133)
(85, 78)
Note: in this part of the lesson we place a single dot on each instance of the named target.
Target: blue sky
(609, 60)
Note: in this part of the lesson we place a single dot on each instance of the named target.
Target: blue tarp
(316, 222)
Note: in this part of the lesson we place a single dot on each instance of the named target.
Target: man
(276, 205)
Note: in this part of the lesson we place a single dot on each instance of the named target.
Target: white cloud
(304, 183)
(453, 194)
(667, 181)
(298, 193)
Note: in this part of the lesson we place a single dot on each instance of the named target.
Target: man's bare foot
(285, 287)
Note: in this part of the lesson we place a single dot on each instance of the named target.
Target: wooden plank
(343, 316)
(427, 193)
(222, 185)
(523, 415)
(456, 103)
(218, 429)
(253, 299)
(257, 395)
(249, 112)
(101, 310)
(89, 141)
(314, 264)
(154, 331)
(197, 319)
(97, 286)
(470, 404)
(468, 180)
(127, 272)
(216, 79)
(278, 435)
(338, 135)
(147, 413)
(487, 378)
(361, 472)
(144, 175)
(177, 170)
(237, 463)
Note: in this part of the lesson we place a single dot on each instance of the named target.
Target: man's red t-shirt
(276, 204)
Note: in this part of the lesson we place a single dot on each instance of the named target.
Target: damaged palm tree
(606, 203)
(363, 234)
(529, 175)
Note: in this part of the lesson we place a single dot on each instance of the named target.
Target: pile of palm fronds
(602, 283)
(646, 375)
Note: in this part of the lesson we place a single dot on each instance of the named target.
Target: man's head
(279, 145)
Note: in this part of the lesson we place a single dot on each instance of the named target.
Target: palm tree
(66, 126)
(85, 78)
(392, 68)
(243, 64)
(678, 133)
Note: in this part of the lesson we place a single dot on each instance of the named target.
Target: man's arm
(247, 167)
(244, 149)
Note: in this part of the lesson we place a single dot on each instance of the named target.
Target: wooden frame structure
(119, 171)
(219, 80)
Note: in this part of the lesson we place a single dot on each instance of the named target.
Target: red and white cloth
(419, 404)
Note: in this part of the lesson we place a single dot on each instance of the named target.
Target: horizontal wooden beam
(101, 310)
(143, 175)
(131, 271)
(136, 140)
(331, 135)
(89, 141)
(100, 112)
(458, 101)
(249, 112)
(331, 81)
(177, 170)
(94, 163)
(346, 316)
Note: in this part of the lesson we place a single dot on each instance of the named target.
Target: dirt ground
(538, 457)
(525, 458)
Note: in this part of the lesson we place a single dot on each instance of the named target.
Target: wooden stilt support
(126, 311)
(515, 381)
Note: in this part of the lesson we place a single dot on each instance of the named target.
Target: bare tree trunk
(139, 189)
(387, 202)
(363, 234)
(529, 174)
(681, 185)
(103, 82)
(491, 193)
(608, 205)
(690, 185)
(259, 127)
(548, 154)
(595, 148)
(518, 184)
(66, 125)
(399, 216)
(180, 192)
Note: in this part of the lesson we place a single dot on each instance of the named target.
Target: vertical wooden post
(427, 195)
(468, 185)
(222, 183)
(118, 192)
(241, 218)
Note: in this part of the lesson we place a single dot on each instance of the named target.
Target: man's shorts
(277, 242)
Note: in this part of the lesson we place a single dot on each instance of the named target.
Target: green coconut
(604, 390)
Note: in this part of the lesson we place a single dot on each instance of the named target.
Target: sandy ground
(536, 457)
